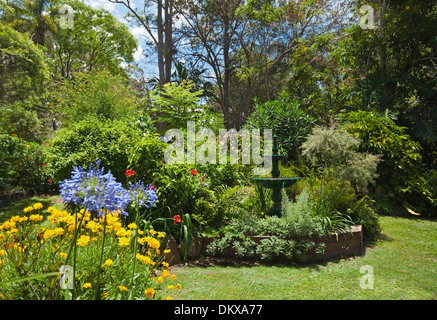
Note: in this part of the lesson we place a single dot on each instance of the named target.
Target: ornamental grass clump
(100, 254)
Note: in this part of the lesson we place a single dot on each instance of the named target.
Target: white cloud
(137, 31)
(138, 54)
(103, 4)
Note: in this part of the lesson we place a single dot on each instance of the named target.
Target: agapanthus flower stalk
(95, 190)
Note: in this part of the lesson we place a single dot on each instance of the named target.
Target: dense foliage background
(349, 104)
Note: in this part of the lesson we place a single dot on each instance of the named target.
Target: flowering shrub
(110, 258)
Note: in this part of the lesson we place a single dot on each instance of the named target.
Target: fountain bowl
(276, 183)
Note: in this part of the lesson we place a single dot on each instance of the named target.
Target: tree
(394, 64)
(22, 67)
(276, 46)
(163, 24)
(97, 40)
(23, 75)
(210, 26)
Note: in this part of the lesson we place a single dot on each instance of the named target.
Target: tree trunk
(168, 47)
(160, 45)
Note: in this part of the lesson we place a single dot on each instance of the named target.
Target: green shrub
(97, 94)
(90, 140)
(278, 247)
(338, 207)
(401, 166)
(20, 120)
(287, 120)
(175, 104)
(216, 207)
(22, 166)
(335, 150)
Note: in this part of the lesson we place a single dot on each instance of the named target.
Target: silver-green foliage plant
(334, 149)
(299, 215)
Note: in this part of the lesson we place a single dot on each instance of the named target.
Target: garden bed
(346, 243)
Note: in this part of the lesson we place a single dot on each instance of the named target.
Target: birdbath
(276, 183)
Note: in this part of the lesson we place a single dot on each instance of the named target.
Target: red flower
(49, 180)
(130, 173)
(193, 172)
(152, 187)
(177, 219)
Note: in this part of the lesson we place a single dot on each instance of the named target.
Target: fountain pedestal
(276, 183)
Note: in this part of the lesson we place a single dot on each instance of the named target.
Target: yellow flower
(123, 242)
(173, 277)
(37, 206)
(159, 280)
(36, 217)
(167, 251)
(12, 231)
(168, 298)
(140, 232)
(179, 286)
(86, 285)
(108, 263)
(122, 288)
(161, 235)
(150, 292)
(63, 255)
(171, 287)
(153, 232)
(153, 243)
(407, 7)
(121, 232)
(93, 226)
(18, 219)
(48, 233)
(165, 264)
(165, 274)
(83, 241)
(132, 225)
(28, 209)
(51, 209)
(58, 231)
(3, 252)
(144, 259)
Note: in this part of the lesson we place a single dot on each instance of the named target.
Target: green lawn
(404, 263)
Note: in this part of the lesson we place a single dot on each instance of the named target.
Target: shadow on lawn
(16, 207)
(206, 262)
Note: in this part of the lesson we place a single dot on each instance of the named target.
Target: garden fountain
(276, 183)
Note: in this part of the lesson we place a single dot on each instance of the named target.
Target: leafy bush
(335, 150)
(337, 206)
(97, 94)
(23, 167)
(20, 120)
(90, 140)
(218, 206)
(175, 104)
(287, 120)
(401, 168)
(299, 215)
(236, 236)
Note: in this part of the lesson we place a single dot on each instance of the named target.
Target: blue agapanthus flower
(95, 190)
(142, 195)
